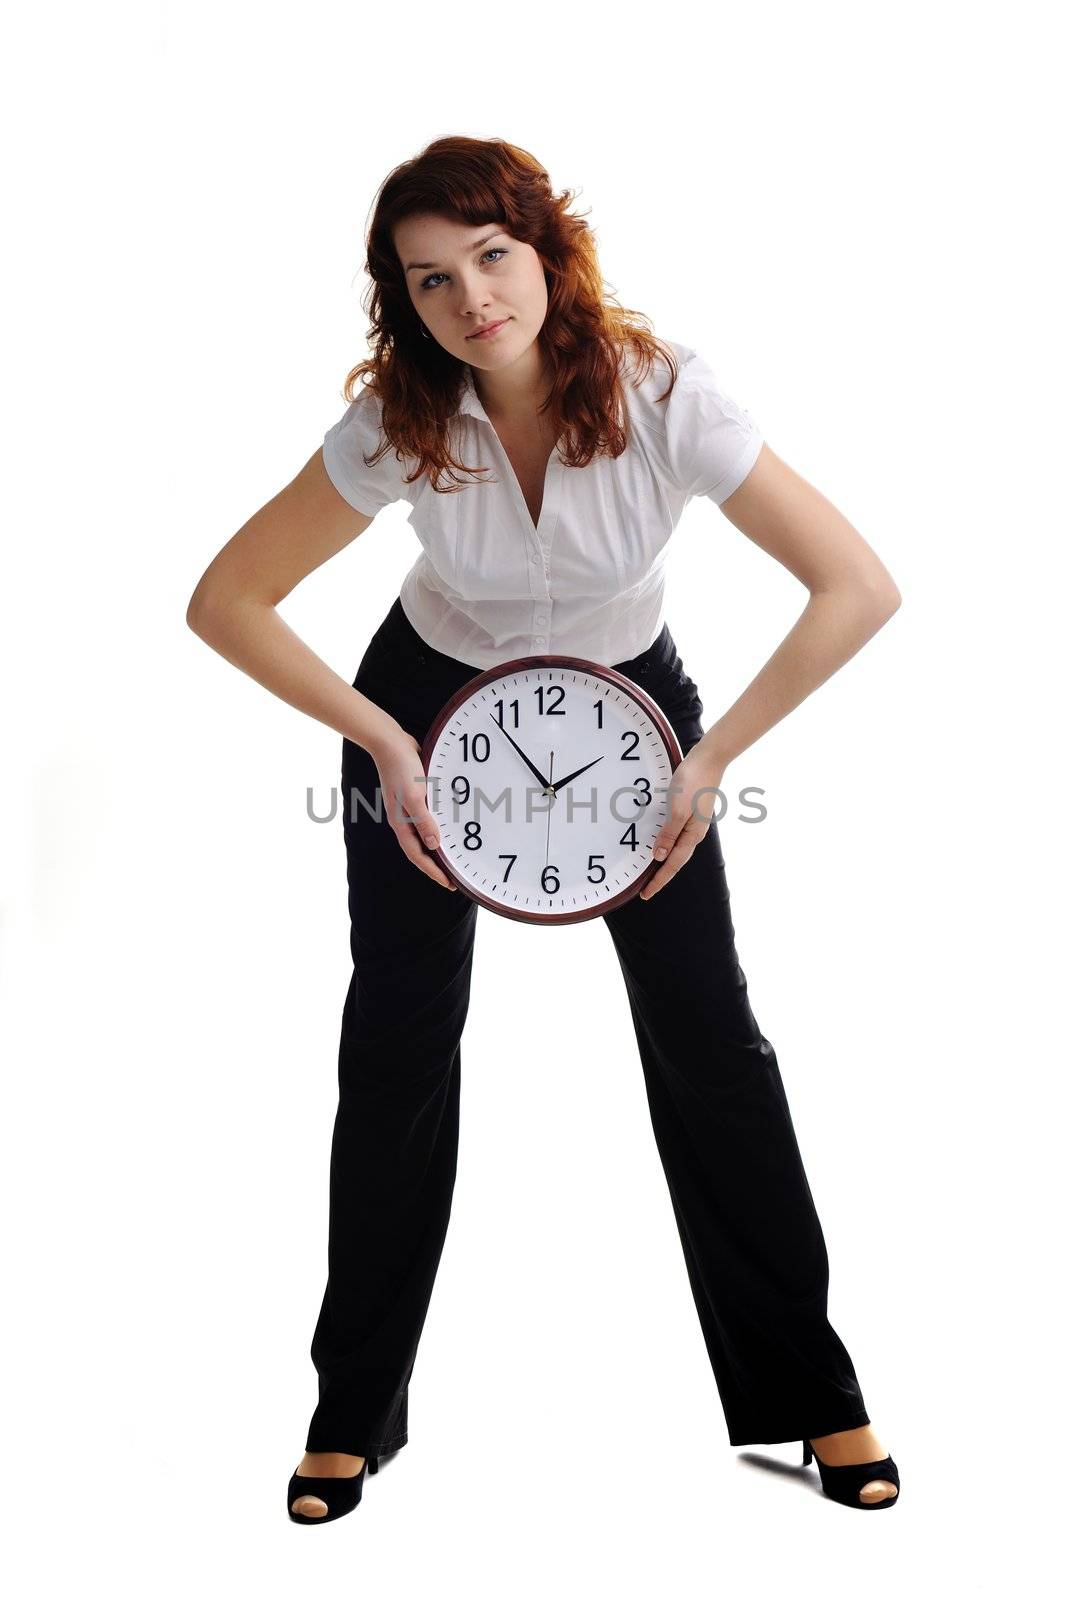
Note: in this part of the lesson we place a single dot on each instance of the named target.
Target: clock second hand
(551, 807)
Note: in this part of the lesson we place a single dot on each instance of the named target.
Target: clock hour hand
(537, 775)
(561, 782)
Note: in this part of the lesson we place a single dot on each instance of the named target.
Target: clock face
(548, 779)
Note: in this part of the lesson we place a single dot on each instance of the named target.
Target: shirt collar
(468, 400)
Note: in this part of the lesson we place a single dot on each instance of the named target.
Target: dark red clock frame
(536, 663)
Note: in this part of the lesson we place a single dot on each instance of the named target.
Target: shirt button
(538, 640)
(536, 560)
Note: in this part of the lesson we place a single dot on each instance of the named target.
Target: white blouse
(588, 579)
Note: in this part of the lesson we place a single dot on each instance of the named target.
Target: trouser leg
(395, 1138)
(749, 1231)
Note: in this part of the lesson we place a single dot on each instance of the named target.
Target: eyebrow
(413, 266)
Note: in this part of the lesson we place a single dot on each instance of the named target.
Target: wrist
(715, 749)
(383, 734)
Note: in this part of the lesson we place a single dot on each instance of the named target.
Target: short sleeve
(358, 434)
(711, 442)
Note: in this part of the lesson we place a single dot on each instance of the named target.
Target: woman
(581, 437)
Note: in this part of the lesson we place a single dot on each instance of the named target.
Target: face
(463, 277)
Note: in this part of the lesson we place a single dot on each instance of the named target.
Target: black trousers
(751, 1238)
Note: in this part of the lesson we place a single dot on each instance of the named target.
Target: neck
(513, 395)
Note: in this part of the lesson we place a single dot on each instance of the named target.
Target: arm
(233, 609)
(852, 595)
(233, 606)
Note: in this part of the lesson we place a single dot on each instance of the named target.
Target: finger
(429, 868)
(430, 837)
(680, 814)
(678, 857)
(668, 835)
(427, 829)
(422, 860)
(435, 871)
(415, 814)
(664, 875)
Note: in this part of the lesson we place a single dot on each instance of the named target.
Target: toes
(309, 1505)
(877, 1489)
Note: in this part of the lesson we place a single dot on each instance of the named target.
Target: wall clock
(548, 777)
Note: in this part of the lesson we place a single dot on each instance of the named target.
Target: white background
(850, 212)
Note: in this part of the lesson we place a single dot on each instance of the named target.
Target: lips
(489, 327)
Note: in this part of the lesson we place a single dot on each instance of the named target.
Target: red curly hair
(584, 337)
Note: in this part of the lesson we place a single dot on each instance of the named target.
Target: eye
(496, 250)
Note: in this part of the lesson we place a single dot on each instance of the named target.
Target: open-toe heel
(341, 1495)
(845, 1483)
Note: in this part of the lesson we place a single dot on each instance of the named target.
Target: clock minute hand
(537, 775)
(561, 782)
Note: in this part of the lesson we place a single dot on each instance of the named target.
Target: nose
(474, 298)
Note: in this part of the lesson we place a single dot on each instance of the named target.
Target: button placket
(540, 532)
(542, 600)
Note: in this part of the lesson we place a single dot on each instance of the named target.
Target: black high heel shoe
(844, 1483)
(341, 1495)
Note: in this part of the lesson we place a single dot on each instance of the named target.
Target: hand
(691, 810)
(403, 789)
